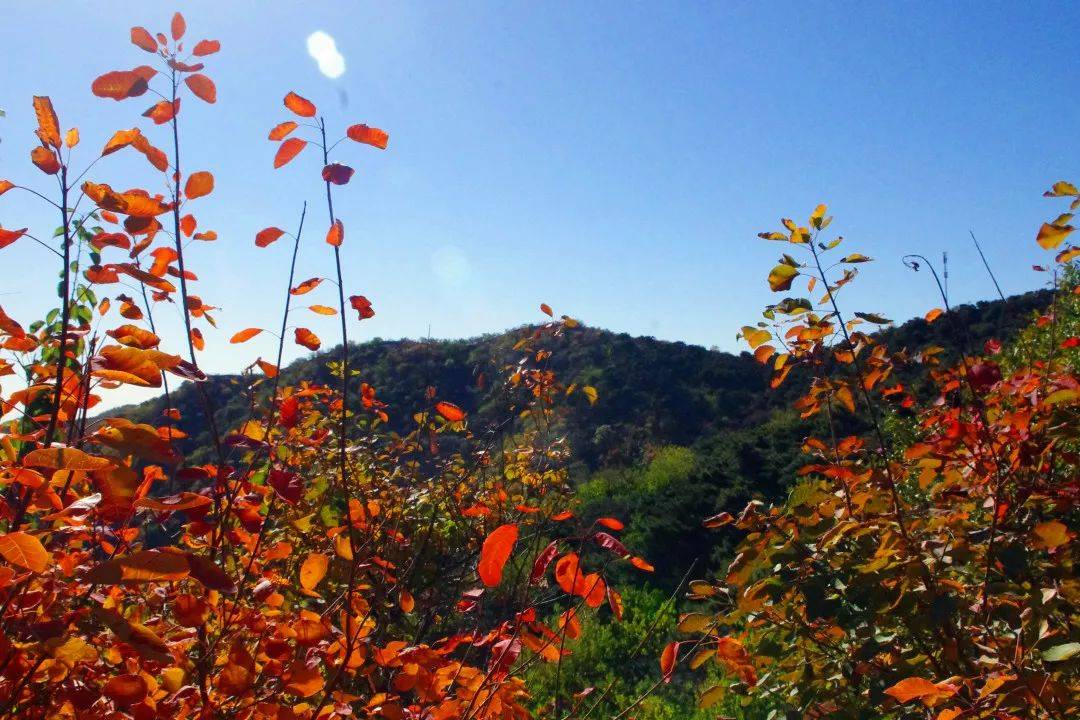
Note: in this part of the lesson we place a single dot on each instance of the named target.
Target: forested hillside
(650, 392)
(677, 432)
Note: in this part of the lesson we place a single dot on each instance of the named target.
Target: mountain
(651, 392)
(678, 432)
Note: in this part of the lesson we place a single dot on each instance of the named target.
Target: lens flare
(322, 48)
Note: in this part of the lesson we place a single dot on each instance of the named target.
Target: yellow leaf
(1050, 236)
(313, 570)
(590, 393)
(71, 651)
(1051, 534)
(781, 276)
(755, 336)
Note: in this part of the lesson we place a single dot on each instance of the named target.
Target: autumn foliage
(925, 566)
(320, 566)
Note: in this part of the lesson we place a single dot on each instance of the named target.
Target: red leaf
(9, 236)
(543, 560)
(206, 47)
(141, 37)
(337, 173)
(288, 150)
(203, 87)
(362, 305)
(178, 26)
(368, 136)
(495, 552)
(268, 235)
(120, 84)
(286, 484)
(608, 542)
(301, 106)
(308, 339)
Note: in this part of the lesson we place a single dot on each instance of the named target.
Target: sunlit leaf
(199, 184)
(202, 87)
(244, 335)
(25, 551)
(495, 552)
(299, 105)
(307, 338)
(368, 136)
(288, 150)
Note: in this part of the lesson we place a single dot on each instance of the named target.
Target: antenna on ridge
(945, 272)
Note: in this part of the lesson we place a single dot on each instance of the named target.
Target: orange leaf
(362, 305)
(71, 139)
(304, 681)
(244, 335)
(125, 690)
(301, 106)
(313, 570)
(203, 87)
(141, 37)
(322, 309)
(187, 225)
(45, 159)
(610, 523)
(199, 184)
(65, 458)
(268, 235)
(641, 564)
(450, 411)
(368, 136)
(5, 185)
(178, 26)
(48, 129)
(336, 234)
(495, 552)
(406, 601)
(568, 574)
(919, 688)
(163, 111)
(288, 150)
(308, 339)
(667, 660)
(24, 550)
(281, 130)
(120, 84)
(546, 309)
(206, 47)
(933, 315)
(306, 286)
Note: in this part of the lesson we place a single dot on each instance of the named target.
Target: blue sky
(612, 159)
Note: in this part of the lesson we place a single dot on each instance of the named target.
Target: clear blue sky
(612, 159)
